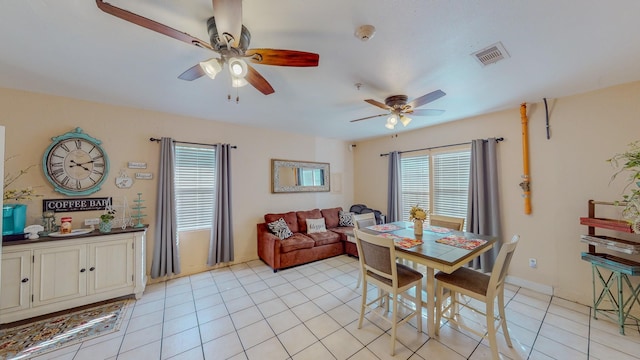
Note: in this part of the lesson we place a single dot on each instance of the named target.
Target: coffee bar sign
(80, 204)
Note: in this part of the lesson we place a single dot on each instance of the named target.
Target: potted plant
(105, 220)
(629, 162)
(418, 216)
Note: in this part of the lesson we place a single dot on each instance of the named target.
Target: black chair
(363, 209)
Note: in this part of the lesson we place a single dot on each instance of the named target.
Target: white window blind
(194, 186)
(438, 182)
(415, 183)
(451, 183)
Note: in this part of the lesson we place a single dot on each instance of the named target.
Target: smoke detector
(365, 32)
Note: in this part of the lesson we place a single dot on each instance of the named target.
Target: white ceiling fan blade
(228, 15)
(426, 112)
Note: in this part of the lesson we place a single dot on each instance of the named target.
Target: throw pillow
(346, 218)
(280, 229)
(315, 226)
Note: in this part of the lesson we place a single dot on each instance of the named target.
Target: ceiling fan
(399, 108)
(230, 39)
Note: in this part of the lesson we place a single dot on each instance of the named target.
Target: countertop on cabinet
(93, 233)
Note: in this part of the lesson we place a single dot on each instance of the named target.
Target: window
(195, 186)
(437, 181)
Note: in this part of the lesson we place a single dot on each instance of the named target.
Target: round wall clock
(75, 163)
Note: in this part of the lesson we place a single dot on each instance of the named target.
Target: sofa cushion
(344, 231)
(290, 218)
(331, 216)
(303, 216)
(324, 238)
(280, 229)
(346, 218)
(296, 242)
(315, 226)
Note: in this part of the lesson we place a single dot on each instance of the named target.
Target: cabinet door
(110, 265)
(60, 274)
(16, 281)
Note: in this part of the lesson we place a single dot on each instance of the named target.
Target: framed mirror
(289, 176)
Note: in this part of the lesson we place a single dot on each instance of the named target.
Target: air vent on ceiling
(491, 54)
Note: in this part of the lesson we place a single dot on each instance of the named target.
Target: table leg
(431, 292)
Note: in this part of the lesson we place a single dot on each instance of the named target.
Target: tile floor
(311, 312)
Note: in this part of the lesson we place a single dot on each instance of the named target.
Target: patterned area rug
(28, 340)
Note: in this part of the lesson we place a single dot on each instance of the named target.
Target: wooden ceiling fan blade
(425, 99)
(426, 112)
(228, 15)
(151, 24)
(378, 104)
(369, 117)
(279, 57)
(257, 81)
(194, 72)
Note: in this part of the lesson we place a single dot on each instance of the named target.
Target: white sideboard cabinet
(51, 274)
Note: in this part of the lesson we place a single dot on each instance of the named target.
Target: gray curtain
(394, 194)
(483, 216)
(221, 241)
(166, 260)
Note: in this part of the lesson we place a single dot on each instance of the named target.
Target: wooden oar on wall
(525, 184)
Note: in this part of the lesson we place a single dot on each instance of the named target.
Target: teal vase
(105, 227)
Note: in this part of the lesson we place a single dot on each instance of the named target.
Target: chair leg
(439, 294)
(394, 322)
(363, 304)
(419, 306)
(503, 318)
(359, 279)
(491, 330)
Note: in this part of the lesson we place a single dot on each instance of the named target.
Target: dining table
(437, 248)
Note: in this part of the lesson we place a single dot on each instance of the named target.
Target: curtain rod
(438, 147)
(190, 143)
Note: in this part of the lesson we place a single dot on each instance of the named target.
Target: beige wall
(566, 171)
(32, 119)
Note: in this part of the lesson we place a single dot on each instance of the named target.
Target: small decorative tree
(629, 162)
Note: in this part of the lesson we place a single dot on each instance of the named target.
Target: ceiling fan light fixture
(389, 126)
(392, 119)
(405, 120)
(238, 68)
(238, 82)
(211, 67)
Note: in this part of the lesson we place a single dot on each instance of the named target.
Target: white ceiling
(557, 48)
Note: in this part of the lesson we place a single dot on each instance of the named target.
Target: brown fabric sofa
(302, 248)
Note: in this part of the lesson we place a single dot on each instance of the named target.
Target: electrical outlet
(94, 221)
(533, 263)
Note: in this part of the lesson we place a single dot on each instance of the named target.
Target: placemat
(384, 227)
(403, 242)
(437, 229)
(461, 242)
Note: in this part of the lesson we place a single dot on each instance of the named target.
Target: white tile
(271, 349)
(216, 328)
(206, 291)
(246, 317)
(283, 321)
(65, 353)
(307, 311)
(179, 324)
(317, 351)
(256, 286)
(366, 334)
(382, 348)
(177, 311)
(193, 354)
(557, 350)
(180, 342)
(238, 304)
(211, 313)
(255, 334)
(434, 349)
(105, 349)
(144, 321)
(178, 299)
(148, 351)
(141, 337)
(297, 339)
(327, 302)
(343, 314)
(263, 295)
(223, 347)
(322, 325)
(272, 307)
(342, 344)
(147, 308)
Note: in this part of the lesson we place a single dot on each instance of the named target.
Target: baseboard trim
(545, 289)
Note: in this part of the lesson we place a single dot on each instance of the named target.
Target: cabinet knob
(92, 268)
(25, 280)
(83, 270)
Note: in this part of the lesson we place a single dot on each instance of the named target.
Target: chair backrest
(500, 267)
(363, 220)
(449, 222)
(377, 255)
